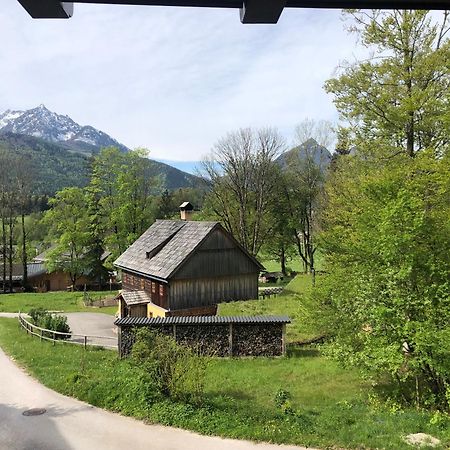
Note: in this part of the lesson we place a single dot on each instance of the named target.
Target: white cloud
(172, 79)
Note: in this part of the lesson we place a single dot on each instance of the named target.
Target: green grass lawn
(293, 265)
(329, 407)
(53, 301)
(295, 302)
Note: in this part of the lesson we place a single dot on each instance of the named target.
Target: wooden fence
(70, 338)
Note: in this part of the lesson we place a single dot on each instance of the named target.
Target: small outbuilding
(183, 267)
(215, 336)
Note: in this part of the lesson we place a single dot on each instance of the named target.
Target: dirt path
(71, 424)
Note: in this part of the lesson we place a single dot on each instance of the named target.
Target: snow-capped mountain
(42, 123)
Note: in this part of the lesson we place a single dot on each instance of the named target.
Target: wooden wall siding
(209, 310)
(185, 294)
(136, 310)
(131, 282)
(218, 256)
(157, 291)
(56, 281)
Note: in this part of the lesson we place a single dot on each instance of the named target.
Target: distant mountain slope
(55, 167)
(309, 149)
(41, 123)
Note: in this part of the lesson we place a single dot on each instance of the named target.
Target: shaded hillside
(55, 166)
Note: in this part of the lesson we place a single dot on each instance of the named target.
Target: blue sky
(173, 80)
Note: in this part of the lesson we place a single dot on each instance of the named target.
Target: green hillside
(55, 166)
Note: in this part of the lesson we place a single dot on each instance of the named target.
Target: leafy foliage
(399, 96)
(42, 318)
(69, 223)
(387, 253)
(175, 369)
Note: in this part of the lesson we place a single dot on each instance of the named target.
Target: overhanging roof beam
(262, 11)
(48, 9)
(252, 11)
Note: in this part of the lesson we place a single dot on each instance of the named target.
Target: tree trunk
(283, 261)
(24, 254)
(4, 253)
(10, 256)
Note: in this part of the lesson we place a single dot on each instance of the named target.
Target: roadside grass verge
(295, 301)
(328, 407)
(53, 301)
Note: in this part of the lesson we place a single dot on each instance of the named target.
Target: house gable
(218, 255)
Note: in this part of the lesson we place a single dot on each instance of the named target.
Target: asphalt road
(93, 324)
(69, 424)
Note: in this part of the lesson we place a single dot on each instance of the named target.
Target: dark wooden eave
(251, 11)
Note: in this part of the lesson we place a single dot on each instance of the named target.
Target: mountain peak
(309, 149)
(53, 127)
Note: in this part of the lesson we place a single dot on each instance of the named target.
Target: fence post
(230, 340)
(85, 342)
(54, 338)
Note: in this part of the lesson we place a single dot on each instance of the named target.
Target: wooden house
(182, 267)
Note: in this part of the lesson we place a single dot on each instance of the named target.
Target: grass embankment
(53, 301)
(295, 301)
(328, 406)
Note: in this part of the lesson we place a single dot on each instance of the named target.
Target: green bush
(177, 370)
(43, 319)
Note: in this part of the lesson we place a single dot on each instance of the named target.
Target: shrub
(177, 370)
(43, 319)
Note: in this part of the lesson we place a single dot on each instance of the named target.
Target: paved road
(69, 424)
(98, 324)
(93, 324)
(86, 323)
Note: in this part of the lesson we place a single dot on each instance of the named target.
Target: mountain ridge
(42, 123)
(59, 150)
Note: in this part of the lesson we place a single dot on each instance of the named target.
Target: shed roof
(35, 269)
(165, 246)
(135, 297)
(200, 320)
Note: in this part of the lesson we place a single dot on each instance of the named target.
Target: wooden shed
(187, 267)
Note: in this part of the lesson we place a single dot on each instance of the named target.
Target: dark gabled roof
(17, 272)
(35, 269)
(200, 320)
(43, 257)
(165, 246)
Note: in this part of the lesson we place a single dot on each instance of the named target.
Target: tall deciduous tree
(387, 242)
(386, 228)
(243, 177)
(69, 223)
(399, 97)
(303, 181)
(121, 192)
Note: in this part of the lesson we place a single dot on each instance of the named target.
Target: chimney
(186, 211)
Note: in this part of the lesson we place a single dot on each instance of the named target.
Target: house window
(161, 290)
(153, 287)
